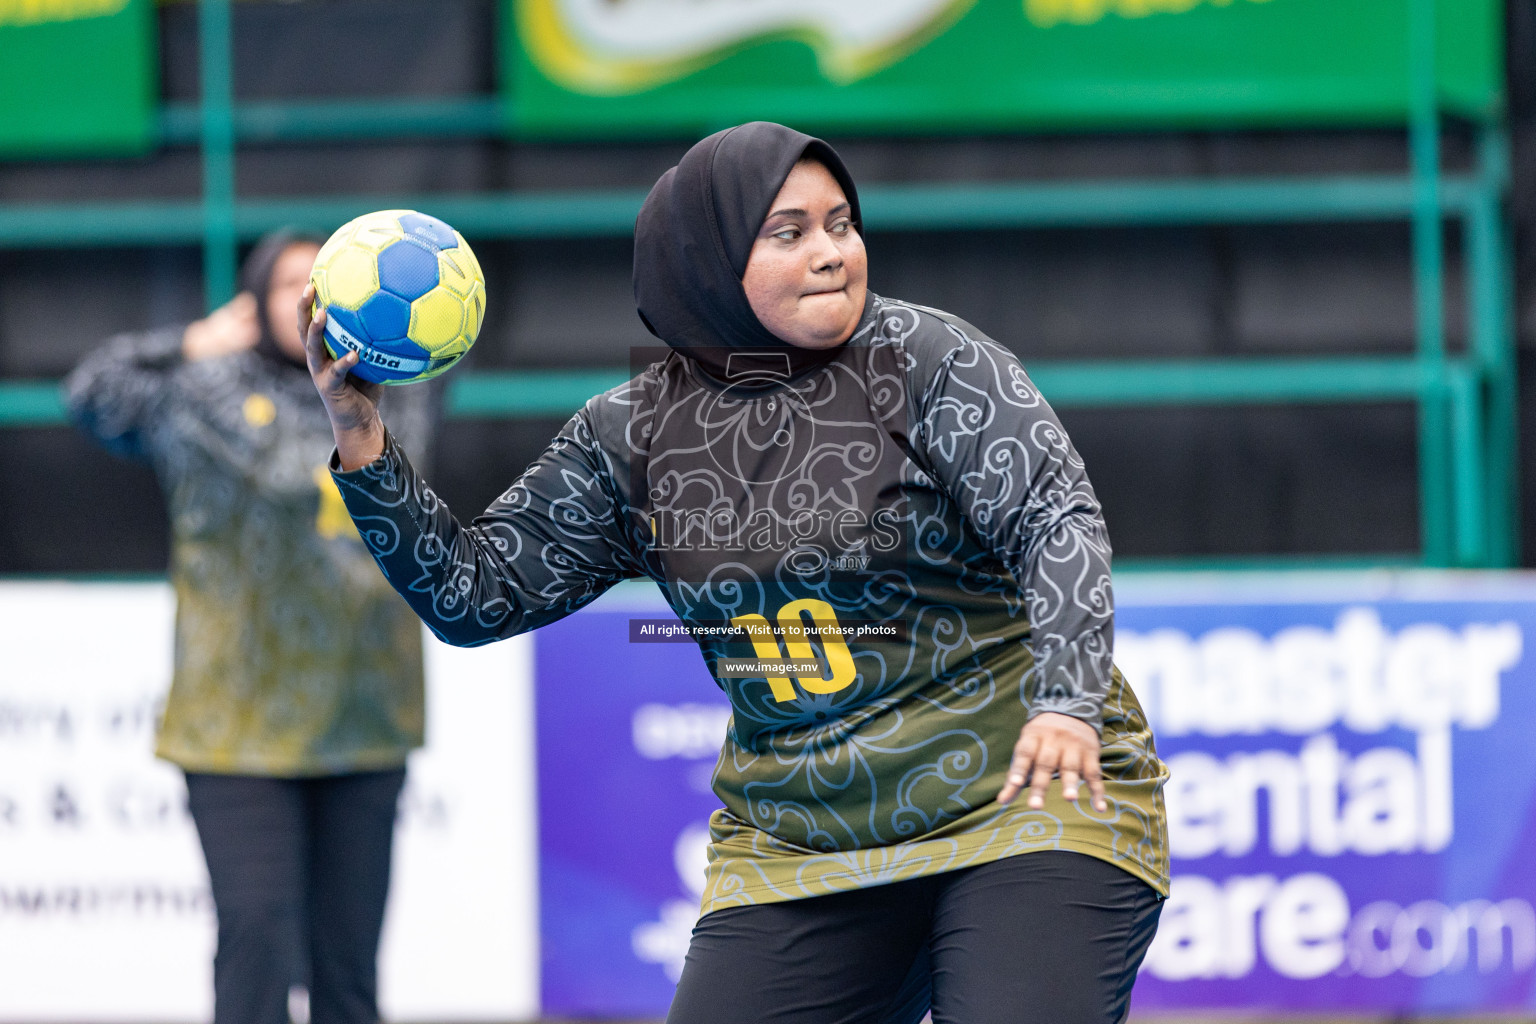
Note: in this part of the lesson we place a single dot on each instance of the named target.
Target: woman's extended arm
(552, 543)
(116, 391)
(999, 451)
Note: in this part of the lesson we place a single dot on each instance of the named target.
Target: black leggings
(300, 871)
(1040, 938)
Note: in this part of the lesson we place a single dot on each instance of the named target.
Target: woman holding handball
(812, 454)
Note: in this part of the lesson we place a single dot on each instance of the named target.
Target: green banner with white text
(636, 67)
(77, 77)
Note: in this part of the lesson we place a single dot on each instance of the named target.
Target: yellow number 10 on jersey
(797, 645)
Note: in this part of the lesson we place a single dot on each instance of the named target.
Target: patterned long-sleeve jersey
(292, 657)
(890, 564)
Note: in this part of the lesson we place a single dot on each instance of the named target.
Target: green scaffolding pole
(1464, 389)
(525, 394)
(216, 76)
(1489, 268)
(928, 207)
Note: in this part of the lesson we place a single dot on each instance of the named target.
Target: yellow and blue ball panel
(403, 290)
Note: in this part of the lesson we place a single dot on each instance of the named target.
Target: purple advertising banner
(1351, 813)
(627, 737)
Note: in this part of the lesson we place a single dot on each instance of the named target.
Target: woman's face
(289, 276)
(806, 274)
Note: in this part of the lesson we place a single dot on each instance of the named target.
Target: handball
(403, 291)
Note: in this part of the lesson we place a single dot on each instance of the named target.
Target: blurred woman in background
(813, 455)
(297, 691)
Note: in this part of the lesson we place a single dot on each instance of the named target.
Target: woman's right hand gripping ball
(351, 403)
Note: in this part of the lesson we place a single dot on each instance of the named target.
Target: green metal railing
(1466, 403)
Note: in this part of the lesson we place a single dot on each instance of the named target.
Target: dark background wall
(1332, 479)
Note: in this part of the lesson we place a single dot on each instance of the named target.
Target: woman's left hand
(1052, 744)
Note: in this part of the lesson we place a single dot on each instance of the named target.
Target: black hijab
(692, 240)
(256, 278)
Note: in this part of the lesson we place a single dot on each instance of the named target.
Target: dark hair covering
(693, 237)
(256, 278)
